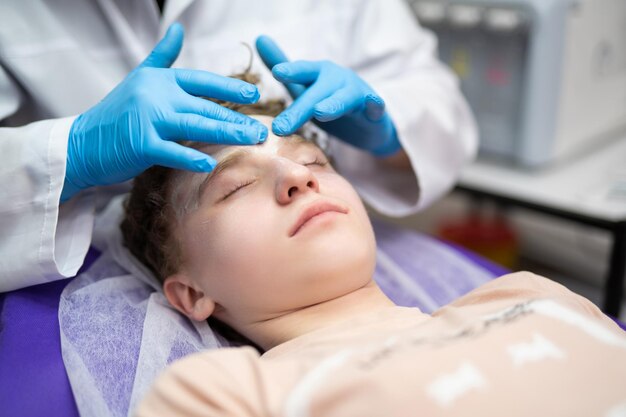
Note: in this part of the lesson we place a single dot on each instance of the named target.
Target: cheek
(339, 188)
(364, 233)
(229, 250)
(357, 233)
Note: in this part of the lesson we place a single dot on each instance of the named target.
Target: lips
(314, 209)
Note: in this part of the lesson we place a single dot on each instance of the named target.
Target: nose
(293, 181)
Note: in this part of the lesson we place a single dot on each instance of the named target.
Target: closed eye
(236, 188)
(317, 161)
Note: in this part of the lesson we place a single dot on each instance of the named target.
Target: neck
(270, 333)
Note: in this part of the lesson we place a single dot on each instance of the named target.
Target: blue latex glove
(338, 100)
(136, 125)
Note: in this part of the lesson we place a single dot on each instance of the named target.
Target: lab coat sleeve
(41, 240)
(398, 58)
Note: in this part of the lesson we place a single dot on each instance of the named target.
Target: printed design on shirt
(447, 388)
(544, 307)
(510, 314)
(617, 411)
(480, 328)
(298, 402)
(538, 349)
(592, 328)
(378, 354)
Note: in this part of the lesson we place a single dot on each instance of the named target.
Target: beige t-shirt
(520, 345)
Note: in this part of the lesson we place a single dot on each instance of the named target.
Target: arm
(434, 124)
(137, 125)
(41, 241)
(389, 101)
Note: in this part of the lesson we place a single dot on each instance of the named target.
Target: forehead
(273, 145)
(227, 156)
(189, 186)
(279, 146)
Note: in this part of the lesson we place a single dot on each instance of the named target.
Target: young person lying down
(277, 245)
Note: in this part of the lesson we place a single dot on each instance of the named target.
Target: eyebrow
(234, 157)
(228, 161)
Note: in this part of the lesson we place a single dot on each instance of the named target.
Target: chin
(340, 265)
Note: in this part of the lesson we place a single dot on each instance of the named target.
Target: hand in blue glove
(338, 100)
(136, 124)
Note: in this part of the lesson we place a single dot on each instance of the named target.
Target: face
(275, 229)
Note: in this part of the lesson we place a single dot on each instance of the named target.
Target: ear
(181, 292)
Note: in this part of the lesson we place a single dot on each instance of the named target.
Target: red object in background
(491, 237)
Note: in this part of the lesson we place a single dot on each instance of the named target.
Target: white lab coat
(59, 58)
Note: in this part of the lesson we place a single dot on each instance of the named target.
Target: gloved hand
(136, 124)
(338, 100)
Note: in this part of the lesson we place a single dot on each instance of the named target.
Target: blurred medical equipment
(489, 234)
(545, 78)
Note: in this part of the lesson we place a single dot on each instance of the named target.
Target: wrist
(69, 190)
(74, 181)
(390, 146)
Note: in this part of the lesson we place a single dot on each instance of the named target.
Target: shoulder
(216, 360)
(213, 382)
(521, 286)
(518, 285)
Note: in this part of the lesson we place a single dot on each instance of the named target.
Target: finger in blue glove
(138, 123)
(336, 98)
